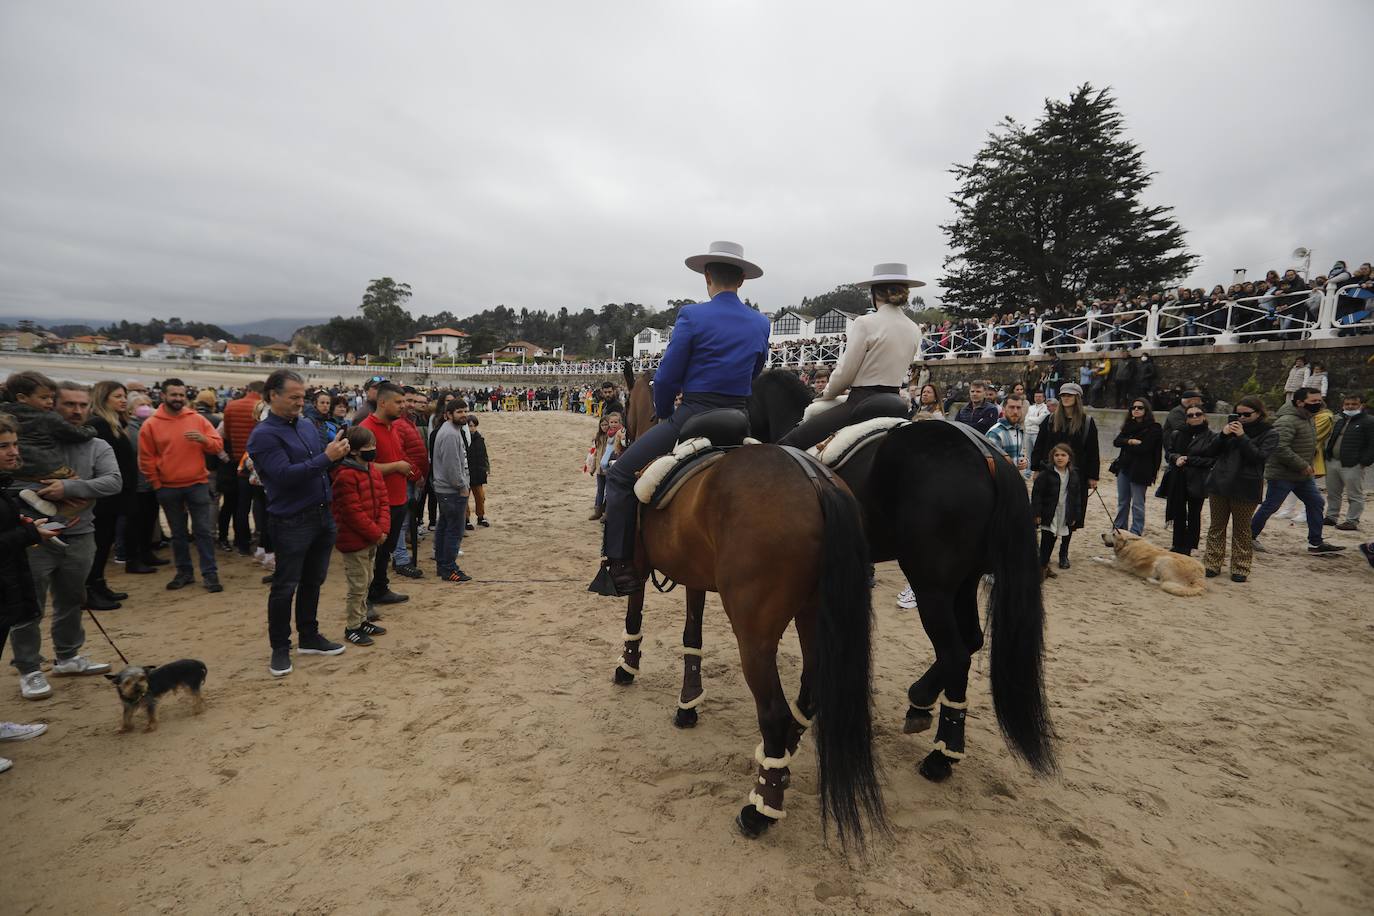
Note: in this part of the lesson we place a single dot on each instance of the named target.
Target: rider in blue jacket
(717, 348)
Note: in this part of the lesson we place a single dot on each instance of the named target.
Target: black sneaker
(1324, 547)
(1328, 523)
(1237, 577)
(358, 637)
(1348, 526)
(456, 576)
(97, 602)
(410, 571)
(481, 520)
(470, 526)
(372, 629)
(316, 644)
(1213, 573)
(224, 545)
(280, 665)
(388, 597)
(211, 583)
(267, 579)
(1063, 562)
(181, 581)
(155, 560)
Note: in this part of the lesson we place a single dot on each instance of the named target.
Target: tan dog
(1173, 572)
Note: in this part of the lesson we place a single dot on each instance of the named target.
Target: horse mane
(777, 402)
(787, 384)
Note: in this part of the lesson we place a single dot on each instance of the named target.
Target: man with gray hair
(63, 569)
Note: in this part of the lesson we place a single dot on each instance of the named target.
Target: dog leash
(1098, 491)
(96, 621)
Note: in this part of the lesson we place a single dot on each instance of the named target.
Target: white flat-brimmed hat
(890, 273)
(725, 253)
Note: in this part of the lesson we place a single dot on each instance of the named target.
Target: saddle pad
(850, 440)
(657, 471)
(678, 475)
(816, 408)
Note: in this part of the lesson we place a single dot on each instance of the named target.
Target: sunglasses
(1245, 413)
(1136, 407)
(1199, 414)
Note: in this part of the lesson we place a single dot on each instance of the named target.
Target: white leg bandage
(757, 800)
(771, 763)
(688, 650)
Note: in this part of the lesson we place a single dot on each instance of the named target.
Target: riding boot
(773, 779)
(692, 691)
(797, 727)
(629, 659)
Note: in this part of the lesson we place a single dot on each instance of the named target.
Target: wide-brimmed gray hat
(725, 253)
(1071, 388)
(890, 274)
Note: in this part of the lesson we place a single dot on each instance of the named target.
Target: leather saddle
(724, 427)
(704, 440)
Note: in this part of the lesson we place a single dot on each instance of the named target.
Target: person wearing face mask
(1235, 485)
(877, 354)
(1289, 469)
(362, 515)
(1349, 453)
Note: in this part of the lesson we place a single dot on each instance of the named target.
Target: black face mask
(368, 454)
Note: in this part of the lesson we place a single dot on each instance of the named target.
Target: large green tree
(383, 307)
(1053, 212)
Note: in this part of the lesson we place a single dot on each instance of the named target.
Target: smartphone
(1233, 418)
(53, 526)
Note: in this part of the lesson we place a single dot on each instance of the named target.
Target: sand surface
(1215, 751)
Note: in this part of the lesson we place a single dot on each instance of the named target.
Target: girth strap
(815, 471)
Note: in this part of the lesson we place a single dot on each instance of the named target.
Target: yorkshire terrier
(145, 687)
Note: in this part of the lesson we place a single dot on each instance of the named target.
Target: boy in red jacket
(362, 515)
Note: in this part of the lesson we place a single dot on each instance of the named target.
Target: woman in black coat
(18, 599)
(109, 419)
(479, 467)
(1141, 441)
(1071, 425)
(1188, 454)
(1235, 485)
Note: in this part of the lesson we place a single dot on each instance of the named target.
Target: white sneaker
(907, 599)
(13, 731)
(34, 686)
(269, 562)
(258, 554)
(79, 664)
(37, 502)
(5, 764)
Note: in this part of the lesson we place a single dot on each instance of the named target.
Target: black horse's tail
(1018, 624)
(849, 787)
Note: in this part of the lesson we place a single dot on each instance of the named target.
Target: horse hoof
(917, 720)
(751, 823)
(936, 767)
(622, 677)
(685, 718)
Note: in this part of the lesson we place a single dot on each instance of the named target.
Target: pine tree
(1053, 213)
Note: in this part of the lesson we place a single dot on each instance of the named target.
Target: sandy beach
(1214, 751)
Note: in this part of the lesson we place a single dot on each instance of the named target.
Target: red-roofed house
(441, 342)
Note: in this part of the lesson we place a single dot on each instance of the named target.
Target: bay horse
(932, 502)
(639, 402)
(779, 543)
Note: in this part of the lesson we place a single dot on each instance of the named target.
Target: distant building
(787, 326)
(273, 353)
(438, 343)
(517, 351)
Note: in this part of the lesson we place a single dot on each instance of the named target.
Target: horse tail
(1018, 624)
(629, 378)
(849, 788)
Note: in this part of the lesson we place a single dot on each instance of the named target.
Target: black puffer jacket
(1238, 471)
(1045, 497)
(1139, 463)
(18, 601)
(1356, 438)
(479, 465)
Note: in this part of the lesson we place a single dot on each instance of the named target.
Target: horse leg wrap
(797, 727)
(692, 691)
(629, 659)
(773, 779)
(949, 736)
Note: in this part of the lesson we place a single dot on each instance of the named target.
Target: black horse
(947, 515)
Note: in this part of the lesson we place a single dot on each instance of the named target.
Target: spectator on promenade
(452, 485)
(1009, 432)
(479, 470)
(1289, 470)
(294, 470)
(1317, 379)
(978, 413)
(1070, 424)
(1297, 376)
(1349, 454)
(362, 517)
(239, 419)
(172, 445)
(1188, 453)
(1136, 465)
(18, 533)
(395, 470)
(94, 473)
(109, 419)
(1235, 486)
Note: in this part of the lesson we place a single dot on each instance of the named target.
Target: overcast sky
(236, 161)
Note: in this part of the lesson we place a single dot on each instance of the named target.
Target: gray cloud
(236, 161)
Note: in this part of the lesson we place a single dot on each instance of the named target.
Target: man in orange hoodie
(172, 446)
(240, 416)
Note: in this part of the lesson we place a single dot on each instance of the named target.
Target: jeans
(381, 567)
(402, 556)
(1130, 500)
(1305, 490)
(243, 507)
(600, 492)
(448, 536)
(621, 502)
(195, 499)
(64, 573)
(303, 543)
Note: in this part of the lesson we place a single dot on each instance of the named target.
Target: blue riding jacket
(718, 347)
